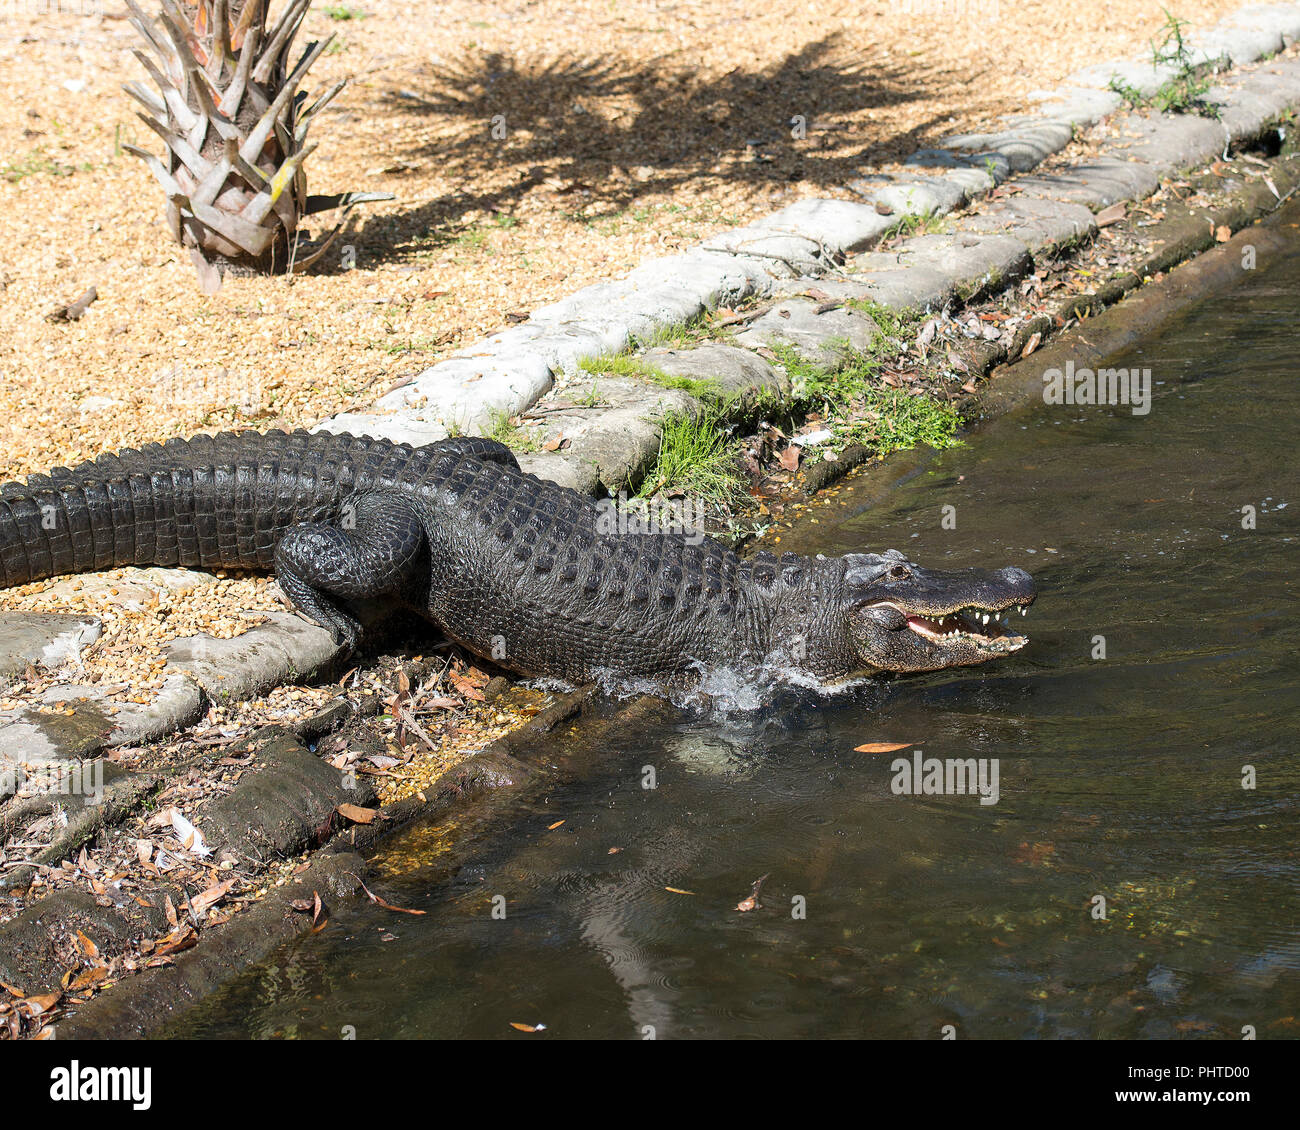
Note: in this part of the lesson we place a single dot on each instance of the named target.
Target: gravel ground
(631, 129)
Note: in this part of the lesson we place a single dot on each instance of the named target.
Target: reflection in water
(888, 915)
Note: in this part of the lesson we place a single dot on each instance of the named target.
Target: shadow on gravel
(590, 123)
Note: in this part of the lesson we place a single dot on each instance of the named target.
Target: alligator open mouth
(987, 628)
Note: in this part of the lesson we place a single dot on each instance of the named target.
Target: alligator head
(906, 618)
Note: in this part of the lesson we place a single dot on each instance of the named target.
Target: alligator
(515, 569)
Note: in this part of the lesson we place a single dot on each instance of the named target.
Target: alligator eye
(898, 572)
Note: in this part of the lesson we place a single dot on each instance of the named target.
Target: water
(1118, 777)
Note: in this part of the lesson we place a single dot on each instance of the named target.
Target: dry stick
(74, 309)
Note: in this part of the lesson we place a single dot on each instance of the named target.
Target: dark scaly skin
(512, 567)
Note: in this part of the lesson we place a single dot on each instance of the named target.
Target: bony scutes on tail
(512, 567)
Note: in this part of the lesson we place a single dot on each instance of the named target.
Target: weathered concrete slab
(1142, 76)
(180, 703)
(564, 470)
(1167, 143)
(839, 225)
(1233, 46)
(1024, 146)
(1042, 225)
(782, 255)
(31, 735)
(283, 805)
(1282, 18)
(1097, 183)
(394, 426)
(1250, 103)
(822, 336)
(733, 373)
(285, 648)
(622, 439)
(893, 283)
(1077, 105)
(969, 263)
(43, 639)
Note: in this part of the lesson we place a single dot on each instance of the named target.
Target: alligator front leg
(377, 548)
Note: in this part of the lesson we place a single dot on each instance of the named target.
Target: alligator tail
(209, 502)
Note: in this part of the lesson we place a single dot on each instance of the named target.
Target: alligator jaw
(988, 627)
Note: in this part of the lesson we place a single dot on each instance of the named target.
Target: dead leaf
(1031, 344)
(214, 894)
(177, 941)
(88, 979)
(751, 902)
(527, 1027)
(881, 747)
(465, 687)
(552, 827)
(357, 814)
(1222, 233)
(789, 458)
(1111, 215)
(381, 902)
(678, 891)
(87, 946)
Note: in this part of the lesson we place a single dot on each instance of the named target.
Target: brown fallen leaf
(382, 902)
(789, 458)
(678, 891)
(527, 1027)
(881, 747)
(1111, 215)
(177, 941)
(1222, 233)
(552, 827)
(357, 814)
(1031, 344)
(88, 979)
(465, 687)
(319, 913)
(42, 1003)
(751, 902)
(214, 894)
(87, 946)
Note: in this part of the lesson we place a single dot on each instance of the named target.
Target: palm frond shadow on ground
(587, 122)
